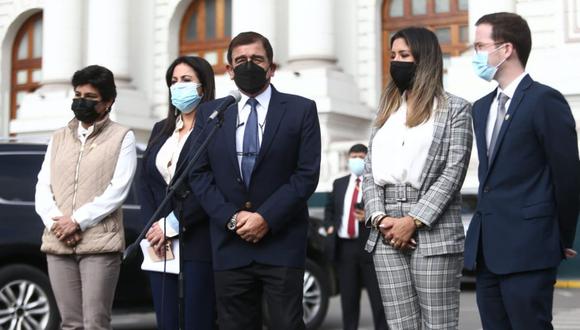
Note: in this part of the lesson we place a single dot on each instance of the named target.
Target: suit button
(486, 189)
(248, 205)
(239, 180)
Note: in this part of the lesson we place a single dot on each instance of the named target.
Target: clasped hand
(66, 230)
(398, 232)
(251, 226)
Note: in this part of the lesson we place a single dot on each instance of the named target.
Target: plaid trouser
(418, 292)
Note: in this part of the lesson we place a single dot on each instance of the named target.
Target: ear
(510, 50)
(272, 70)
(230, 70)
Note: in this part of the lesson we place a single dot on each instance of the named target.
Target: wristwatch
(233, 222)
(418, 223)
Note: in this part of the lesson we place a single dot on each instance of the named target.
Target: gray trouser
(418, 292)
(84, 288)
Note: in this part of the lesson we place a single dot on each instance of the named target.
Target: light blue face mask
(481, 66)
(356, 166)
(184, 96)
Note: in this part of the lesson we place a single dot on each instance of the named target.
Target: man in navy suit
(347, 235)
(529, 178)
(254, 181)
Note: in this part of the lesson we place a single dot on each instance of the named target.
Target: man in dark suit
(344, 219)
(527, 212)
(254, 181)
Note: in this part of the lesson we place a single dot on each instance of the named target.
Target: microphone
(233, 97)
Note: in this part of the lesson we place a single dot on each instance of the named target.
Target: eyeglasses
(478, 47)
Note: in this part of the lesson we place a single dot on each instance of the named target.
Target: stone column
(108, 36)
(311, 33)
(255, 15)
(62, 41)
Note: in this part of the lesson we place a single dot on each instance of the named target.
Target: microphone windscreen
(236, 95)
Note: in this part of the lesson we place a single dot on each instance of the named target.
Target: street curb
(568, 284)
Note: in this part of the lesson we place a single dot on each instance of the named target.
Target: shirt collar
(510, 89)
(262, 98)
(84, 132)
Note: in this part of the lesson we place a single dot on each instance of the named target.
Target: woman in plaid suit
(418, 155)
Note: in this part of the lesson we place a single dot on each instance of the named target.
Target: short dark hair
(359, 147)
(512, 28)
(100, 78)
(246, 38)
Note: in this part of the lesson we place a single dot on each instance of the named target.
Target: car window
(18, 175)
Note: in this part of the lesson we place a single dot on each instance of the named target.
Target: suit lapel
(230, 127)
(276, 110)
(341, 193)
(510, 113)
(482, 113)
(439, 125)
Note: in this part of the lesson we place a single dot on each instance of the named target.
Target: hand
(385, 224)
(156, 239)
(359, 215)
(63, 226)
(570, 253)
(401, 233)
(73, 239)
(330, 230)
(253, 229)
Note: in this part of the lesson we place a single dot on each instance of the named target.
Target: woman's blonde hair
(427, 86)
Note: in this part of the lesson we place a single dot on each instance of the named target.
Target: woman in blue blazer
(191, 82)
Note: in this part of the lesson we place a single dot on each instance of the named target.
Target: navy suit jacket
(284, 177)
(333, 213)
(528, 195)
(152, 190)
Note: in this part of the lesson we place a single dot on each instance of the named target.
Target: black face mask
(403, 74)
(84, 110)
(250, 77)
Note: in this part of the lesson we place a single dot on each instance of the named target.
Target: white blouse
(400, 152)
(166, 163)
(168, 155)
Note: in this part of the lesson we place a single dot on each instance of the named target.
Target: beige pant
(84, 288)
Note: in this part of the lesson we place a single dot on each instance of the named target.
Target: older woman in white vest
(84, 179)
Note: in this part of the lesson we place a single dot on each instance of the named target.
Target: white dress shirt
(509, 91)
(244, 112)
(343, 230)
(166, 163)
(89, 214)
(400, 152)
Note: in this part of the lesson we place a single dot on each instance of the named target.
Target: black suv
(26, 299)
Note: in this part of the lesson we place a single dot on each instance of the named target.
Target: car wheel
(26, 299)
(315, 296)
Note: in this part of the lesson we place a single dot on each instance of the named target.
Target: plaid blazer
(439, 204)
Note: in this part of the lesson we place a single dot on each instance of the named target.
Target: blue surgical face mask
(482, 67)
(356, 166)
(184, 96)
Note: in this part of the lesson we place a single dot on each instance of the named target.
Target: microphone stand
(181, 190)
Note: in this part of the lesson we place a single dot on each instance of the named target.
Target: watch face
(232, 224)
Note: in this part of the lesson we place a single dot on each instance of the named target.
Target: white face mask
(481, 64)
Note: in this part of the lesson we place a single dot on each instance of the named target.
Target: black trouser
(355, 269)
(239, 295)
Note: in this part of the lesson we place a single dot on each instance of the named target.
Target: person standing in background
(84, 179)
(529, 182)
(190, 81)
(344, 220)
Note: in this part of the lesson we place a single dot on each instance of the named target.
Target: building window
(206, 31)
(26, 61)
(447, 18)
